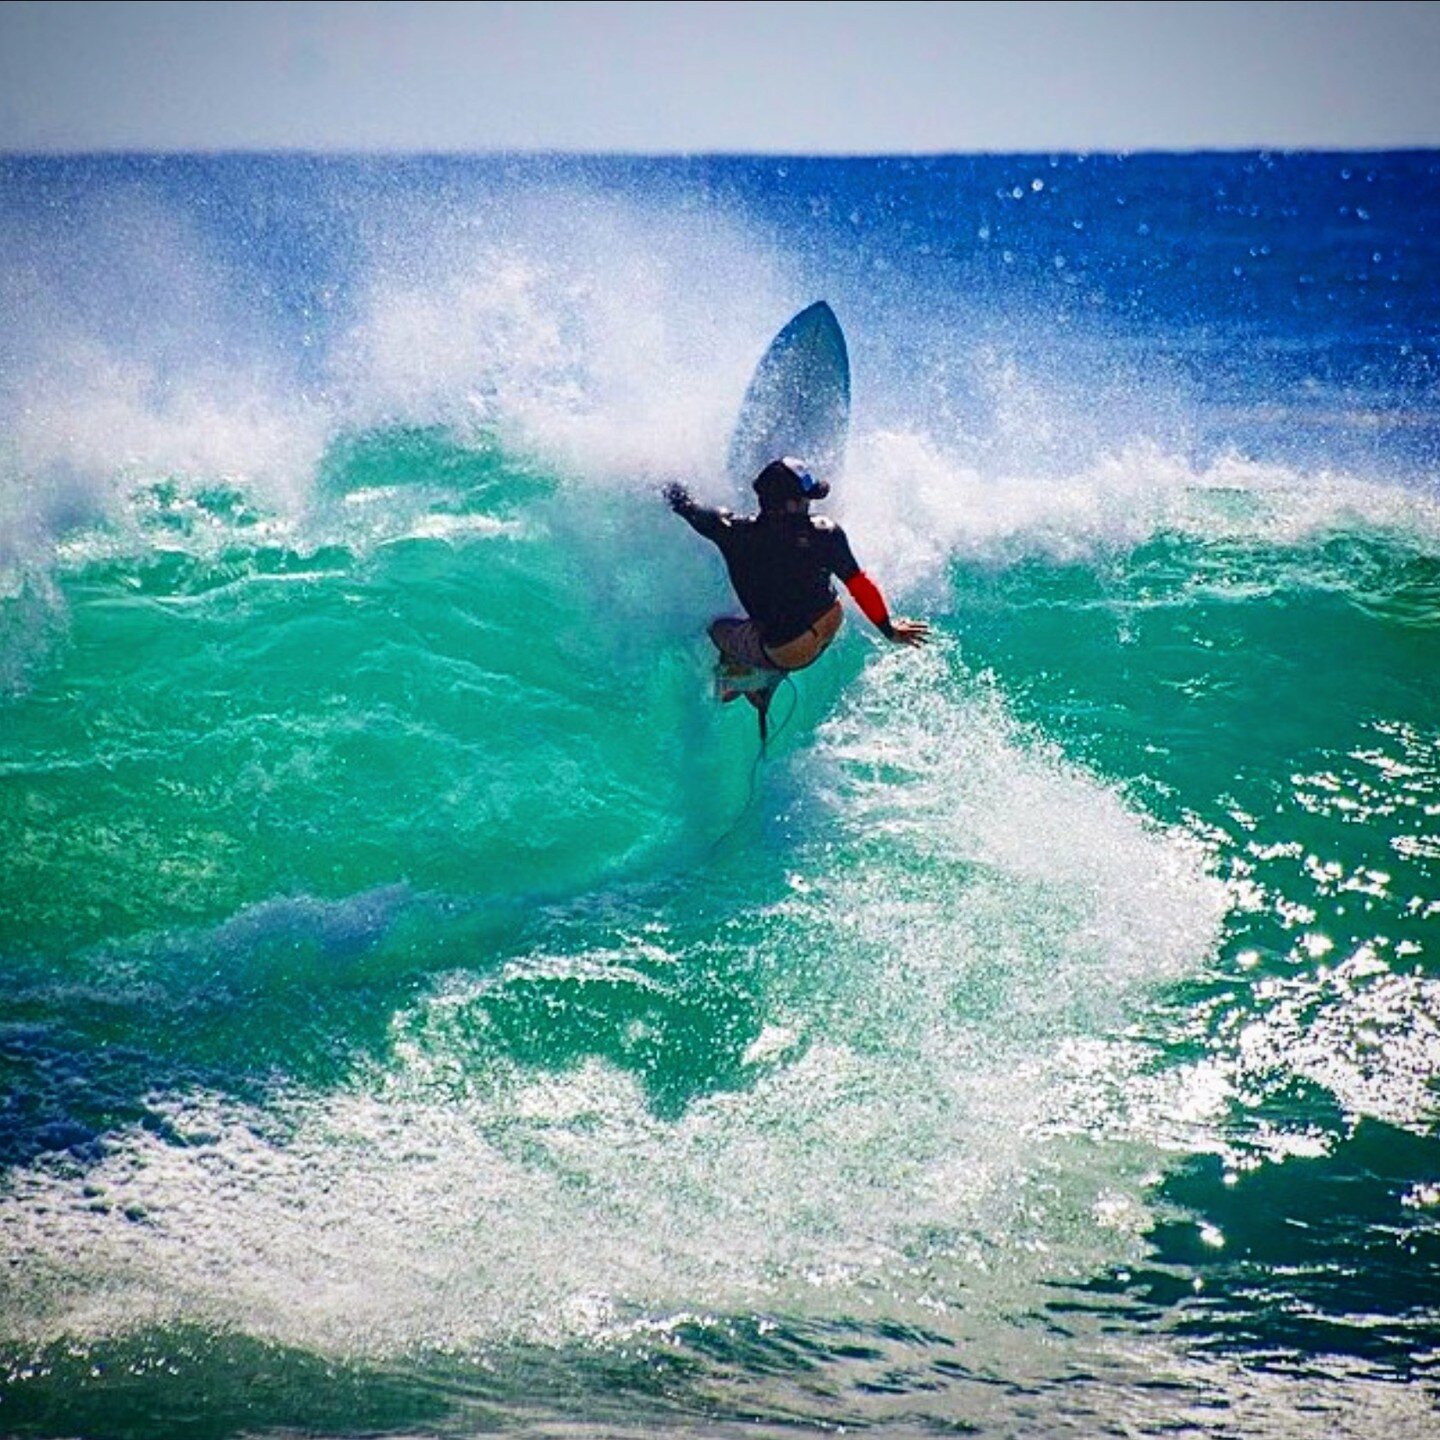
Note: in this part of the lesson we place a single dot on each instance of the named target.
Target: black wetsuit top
(780, 564)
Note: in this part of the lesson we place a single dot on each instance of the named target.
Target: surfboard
(797, 404)
(798, 401)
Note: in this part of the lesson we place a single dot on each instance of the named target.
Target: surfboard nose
(798, 400)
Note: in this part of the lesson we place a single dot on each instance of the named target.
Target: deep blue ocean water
(422, 1012)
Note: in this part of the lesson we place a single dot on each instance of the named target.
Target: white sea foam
(132, 355)
(919, 506)
(613, 337)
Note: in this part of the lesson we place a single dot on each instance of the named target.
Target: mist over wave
(213, 323)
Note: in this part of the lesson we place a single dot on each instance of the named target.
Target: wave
(808, 1115)
(405, 957)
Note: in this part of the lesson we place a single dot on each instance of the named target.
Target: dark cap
(787, 479)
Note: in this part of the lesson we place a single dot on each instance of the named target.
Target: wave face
(424, 1012)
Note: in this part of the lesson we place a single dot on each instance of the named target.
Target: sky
(708, 76)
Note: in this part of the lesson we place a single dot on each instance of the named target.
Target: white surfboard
(798, 402)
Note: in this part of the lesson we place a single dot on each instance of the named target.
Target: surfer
(781, 562)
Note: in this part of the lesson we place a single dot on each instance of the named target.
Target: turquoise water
(424, 1011)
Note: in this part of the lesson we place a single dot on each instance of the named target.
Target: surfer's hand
(908, 632)
(676, 496)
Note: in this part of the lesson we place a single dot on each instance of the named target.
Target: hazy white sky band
(712, 76)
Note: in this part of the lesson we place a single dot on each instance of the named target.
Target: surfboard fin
(761, 699)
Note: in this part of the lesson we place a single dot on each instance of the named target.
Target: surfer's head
(783, 481)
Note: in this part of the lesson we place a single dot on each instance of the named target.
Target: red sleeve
(871, 602)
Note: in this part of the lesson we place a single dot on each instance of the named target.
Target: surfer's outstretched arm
(702, 518)
(866, 594)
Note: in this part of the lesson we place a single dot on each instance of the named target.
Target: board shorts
(738, 640)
